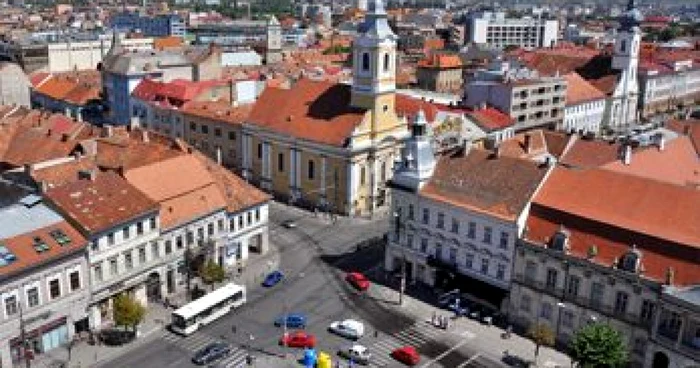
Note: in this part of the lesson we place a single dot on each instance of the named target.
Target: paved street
(314, 257)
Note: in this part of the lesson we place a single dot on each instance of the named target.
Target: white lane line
(410, 339)
(236, 359)
(469, 360)
(444, 354)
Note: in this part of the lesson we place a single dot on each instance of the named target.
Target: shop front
(39, 340)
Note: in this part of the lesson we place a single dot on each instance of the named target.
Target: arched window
(386, 62)
(365, 61)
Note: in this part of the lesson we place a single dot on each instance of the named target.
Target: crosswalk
(197, 341)
(415, 335)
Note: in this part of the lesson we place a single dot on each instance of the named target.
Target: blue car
(273, 278)
(293, 320)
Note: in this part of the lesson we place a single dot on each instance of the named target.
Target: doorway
(153, 287)
(660, 360)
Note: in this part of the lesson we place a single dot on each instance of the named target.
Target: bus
(190, 317)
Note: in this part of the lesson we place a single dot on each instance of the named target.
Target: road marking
(469, 360)
(444, 354)
(467, 334)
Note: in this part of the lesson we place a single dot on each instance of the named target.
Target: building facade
(14, 85)
(668, 85)
(675, 337)
(494, 29)
(440, 73)
(585, 106)
(161, 25)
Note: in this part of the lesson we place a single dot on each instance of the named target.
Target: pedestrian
(376, 334)
(432, 320)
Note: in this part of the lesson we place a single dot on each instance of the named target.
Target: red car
(298, 339)
(358, 281)
(406, 355)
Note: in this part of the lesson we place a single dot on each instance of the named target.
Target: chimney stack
(144, 136)
(528, 143)
(218, 155)
(661, 142)
(627, 154)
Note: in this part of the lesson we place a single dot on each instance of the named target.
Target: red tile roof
(220, 111)
(408, 107)
(311, 110)
(491, 119)
(689, 127)
(441, 61)
(585, 153)
(578, 90)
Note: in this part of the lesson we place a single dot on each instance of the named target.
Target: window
(190, 237)
(113, 267)
(125, 233)
(365, 61)
(152, 223)
(471, 231)
(97, 270)
(260, 150)
(11, 305)
(426, 216)
(623, 46)
(310, 174)
(280, 162)
(33, 297)
(362, 176)
(438, 251)
(387, 62)
(142, 253)
(597, 294)
(453, 255)
(220, 224)
(485, 265)
(573, 286)
(455, 226)
(257, 215)
(504, 240)
(501, 271)
(205, 129)
(193, 126)
(210, 229)
(217, 132)
(411, 213)
(139, 228)
(249, 217)
(409, 240)
(240, 221)
(552, 275)
(232, 136)
(441, 221)
(621, 302)
(487, 234)
(647, 312)
(382, 172)
(546, 311)
(110, 239)
(567, 318)
(525, 303)
(54, 289)
(469, 260)
(74, 278)
(128, 261)
(155, 252)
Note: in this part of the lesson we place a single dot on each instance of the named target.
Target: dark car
(273, 278)
(210, 353)
(292, 320)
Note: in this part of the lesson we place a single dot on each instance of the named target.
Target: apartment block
(496, 30)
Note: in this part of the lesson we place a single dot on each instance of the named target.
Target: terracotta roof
(606, 84)
(190, 206)
(22, 247)
(37, 78)
(440, 61)
(97, 205)
(578, 90)
(310, 110)
(689, 127)
(585, 153)
(491, 119)
(408, 107)
(515, 146)
(649, 207)
(612, 243)
(220, 111)
(678, 163)
(129, 150)
(167, 42)
(60, 174)
(557, 142)
(481, 182)
(56, 87)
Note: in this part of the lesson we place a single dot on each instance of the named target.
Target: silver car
(358, 353)
(349, 328)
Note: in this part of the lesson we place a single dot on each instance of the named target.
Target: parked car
(358, 281)
(298, 339)
(448, 298)
(406, 355)
(211, 353)
(349, 328)
(289, 224)
(292, 320)
(459, 307)
(358, 353)
(273, 278)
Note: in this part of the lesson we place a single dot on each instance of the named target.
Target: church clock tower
(626, 60)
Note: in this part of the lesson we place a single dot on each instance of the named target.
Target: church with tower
(622, 109)
(331, 146)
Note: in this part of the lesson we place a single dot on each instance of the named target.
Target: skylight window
(60, 237)
(40, 245)
(6, 257)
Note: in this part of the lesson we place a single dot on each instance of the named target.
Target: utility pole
(402, 286)
(23, 337)
(188, 255)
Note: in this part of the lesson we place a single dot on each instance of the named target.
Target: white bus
(190, 317)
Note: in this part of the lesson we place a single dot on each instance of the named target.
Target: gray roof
(23, 218)
(144, 61)
(690, 295)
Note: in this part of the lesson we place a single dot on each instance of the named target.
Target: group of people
(441, 321)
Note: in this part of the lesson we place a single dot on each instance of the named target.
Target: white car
(358, 353)
(349, 328)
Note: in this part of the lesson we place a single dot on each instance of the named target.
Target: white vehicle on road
(190, 317)
(349, 328)
(358, 354)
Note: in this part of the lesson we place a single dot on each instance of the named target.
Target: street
(314, 257)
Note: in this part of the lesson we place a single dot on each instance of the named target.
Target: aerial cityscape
(347, 183)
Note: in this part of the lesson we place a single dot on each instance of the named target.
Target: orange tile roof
(578, 90)
(408, 107)
(167, 42)
(515, 146)
(650, 207)
(190, 205)
(491, 119)
(27, 257)
(689, 127)
(481, 182)
(97, 205)
(440, 61)
(220, 111)
(585, 153)
(148, 178)
(312, 110)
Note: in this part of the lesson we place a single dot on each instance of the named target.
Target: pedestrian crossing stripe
(409, 338)
(237, 357)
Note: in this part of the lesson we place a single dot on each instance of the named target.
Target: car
(358, 281)
(289, 224)
(358, 353)
(211, 353)
(273, 278)
(406, 355)
(292, 320)
(349, 328)
(298, 339)
(448, 298)
(458, 307)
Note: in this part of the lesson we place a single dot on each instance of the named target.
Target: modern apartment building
(161, 25)
(494, 29)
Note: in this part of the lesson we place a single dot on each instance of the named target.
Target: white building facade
(496, 30)
(584, 117)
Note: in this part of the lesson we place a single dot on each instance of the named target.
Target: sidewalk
(487, 339)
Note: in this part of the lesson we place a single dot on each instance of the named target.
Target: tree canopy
(211, 273)
(127, 311)
(541, 335)
(599, 345)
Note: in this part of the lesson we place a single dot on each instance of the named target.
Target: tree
(598, 345)
(541, 335)
(211, 273)
(128, 311)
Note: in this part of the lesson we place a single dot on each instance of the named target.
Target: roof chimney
(528, 143)
(627, 154)
(109, 131)
(661, 142)
(144, 136)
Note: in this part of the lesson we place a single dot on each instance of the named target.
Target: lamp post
(402, 286)
(23, 338)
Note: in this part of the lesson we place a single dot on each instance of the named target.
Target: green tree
(541, 335)
(128, 311)
(598, 345)
(211, 273)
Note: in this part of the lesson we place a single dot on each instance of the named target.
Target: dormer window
(560, 240)
(630, 261)
(386, 62)
(365, 61)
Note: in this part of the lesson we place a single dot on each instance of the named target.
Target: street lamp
(402, 286)
(23, 337)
